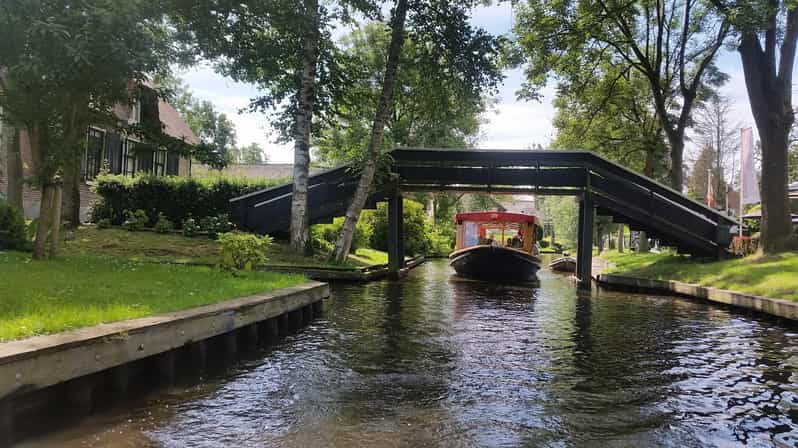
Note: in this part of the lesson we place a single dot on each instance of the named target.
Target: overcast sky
(512, 124)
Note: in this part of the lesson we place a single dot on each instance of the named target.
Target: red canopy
(493, 217)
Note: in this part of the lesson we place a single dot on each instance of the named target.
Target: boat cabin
(502, 229)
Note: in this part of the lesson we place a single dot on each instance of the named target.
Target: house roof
(174, 124)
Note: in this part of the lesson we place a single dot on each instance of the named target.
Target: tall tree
(716, 131)
(767, 33)
(451, 48)
(672, 44)
(68, 63)
(285, 48)
(698, 181)
(12, 166)
(253, 154)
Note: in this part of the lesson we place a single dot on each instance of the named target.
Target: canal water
(436, 361)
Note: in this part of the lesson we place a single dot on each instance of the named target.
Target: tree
(67, 64)
(671, 44)
(766, 37)
(452, 47)
(699, 177)
(10, 149)
(718, 133)
(285, 48)
(253, 154)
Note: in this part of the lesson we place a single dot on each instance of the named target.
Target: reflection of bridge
(601, 185)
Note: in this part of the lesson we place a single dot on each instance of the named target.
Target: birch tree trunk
(344, 243)
(300, 222)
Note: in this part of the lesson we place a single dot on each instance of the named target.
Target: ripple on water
(435, 361)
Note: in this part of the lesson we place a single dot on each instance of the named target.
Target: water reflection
(438, 361)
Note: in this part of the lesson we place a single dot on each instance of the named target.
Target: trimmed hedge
(177, 198)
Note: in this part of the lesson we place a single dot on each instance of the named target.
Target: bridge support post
(396, 243)
(584, 257)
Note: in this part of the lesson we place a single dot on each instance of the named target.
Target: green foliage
(216, 225)
(163, 225)
(176, 197)
(13, 231)
(563, 213)
(252, 154)
(417, 229)
(324, 236)
(104, 223)
(135, 220)
(243, 251)
(190, 227)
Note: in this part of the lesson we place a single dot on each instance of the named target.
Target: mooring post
(396, 244)
(584, 257)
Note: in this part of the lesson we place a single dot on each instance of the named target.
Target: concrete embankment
(76, 370)
(775, 307)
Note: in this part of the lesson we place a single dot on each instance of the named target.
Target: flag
(710, 194)
(749, 187)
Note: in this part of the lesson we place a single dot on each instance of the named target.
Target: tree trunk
(70, 205)
(300, 222)
(770, 95)
(676, 143)
(46, 219)
(14, 171)
(344, 243)
(55, 230)
(620, 238)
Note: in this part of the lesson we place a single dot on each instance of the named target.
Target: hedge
(175, 197)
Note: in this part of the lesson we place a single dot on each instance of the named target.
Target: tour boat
(563, 264)
(496, 246)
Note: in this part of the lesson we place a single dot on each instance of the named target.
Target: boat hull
(564, 264)
(495, 263)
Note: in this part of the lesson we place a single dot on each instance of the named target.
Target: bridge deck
(611, 189)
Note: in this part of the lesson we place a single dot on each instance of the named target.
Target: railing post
(396, 244)
(584, 260)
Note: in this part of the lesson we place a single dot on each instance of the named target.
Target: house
(117, 151)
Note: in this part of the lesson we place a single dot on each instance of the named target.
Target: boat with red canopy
(496, 246)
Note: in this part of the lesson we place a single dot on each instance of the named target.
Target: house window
(172, 164)
(160, 163)
(144, 160)
(93, 158)
(128, 157)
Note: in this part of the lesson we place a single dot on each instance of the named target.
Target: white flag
(749, 187)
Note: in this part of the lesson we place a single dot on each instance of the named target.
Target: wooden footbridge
(603, 188)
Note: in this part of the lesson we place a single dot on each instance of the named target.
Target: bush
(417, 229)
(135, 220)
(13, 231)
(190, 227)
(163, 225)
(104, 223)
(215, 225)
(243, 251)
(324, 236)
(178, 198)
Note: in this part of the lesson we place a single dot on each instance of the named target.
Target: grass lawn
(775, 276)
(149, 246)
(78, 290)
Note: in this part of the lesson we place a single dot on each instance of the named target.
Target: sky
(511, 124)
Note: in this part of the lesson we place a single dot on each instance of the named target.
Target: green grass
(76, 291)
(774, 276)
(149, 246)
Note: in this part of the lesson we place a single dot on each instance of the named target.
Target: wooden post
(584, 259)
(396, 252)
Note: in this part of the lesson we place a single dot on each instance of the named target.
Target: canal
(435, 361)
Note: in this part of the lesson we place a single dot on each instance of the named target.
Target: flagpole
(741, 183)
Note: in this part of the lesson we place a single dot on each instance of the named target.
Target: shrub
(417, 229)
(190, 227)
(104, 223)
(324, 236)
(177, 198)
(135, 220)
(215, 225)
(163, 225)
(13, 231)
(243, 251)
